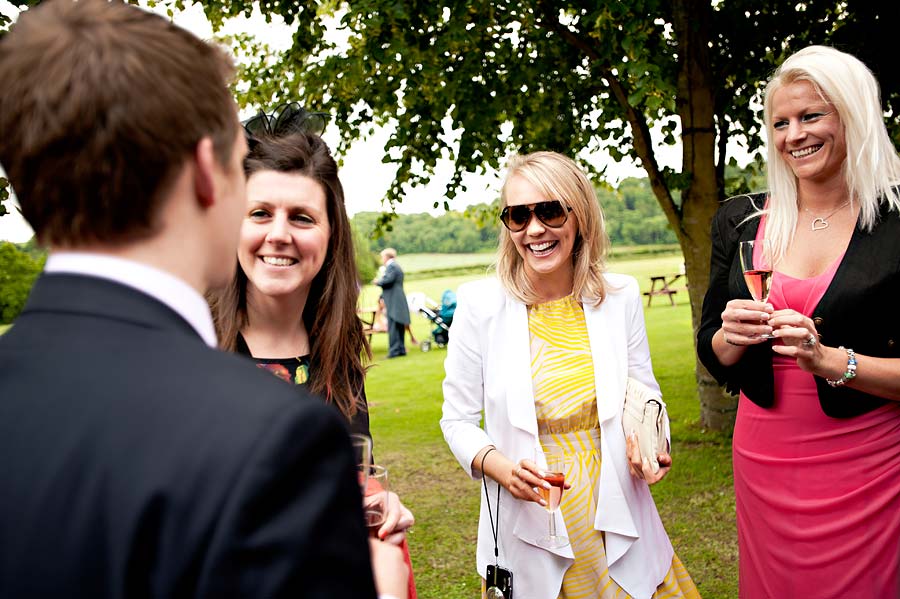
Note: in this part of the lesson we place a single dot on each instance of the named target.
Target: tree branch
(640, 130)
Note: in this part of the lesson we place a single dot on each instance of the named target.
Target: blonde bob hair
(871, 168)
(558, 178)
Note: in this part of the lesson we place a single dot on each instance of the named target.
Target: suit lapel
(607, 381)
(517, 351)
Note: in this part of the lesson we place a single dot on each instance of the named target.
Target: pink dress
(818, 498)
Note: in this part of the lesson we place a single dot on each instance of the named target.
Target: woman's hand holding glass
(386, 517)
(525, 480)
(746, 322)
(522, 479)
(397, 519)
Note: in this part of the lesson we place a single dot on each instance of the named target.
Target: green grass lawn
(413, 263)
(696, 500)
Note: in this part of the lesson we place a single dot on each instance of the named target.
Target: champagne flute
(756, 263)
(362, 455)
(557, 464)
(376, 497)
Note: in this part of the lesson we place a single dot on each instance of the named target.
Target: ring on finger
(727, 340)
(810, 341)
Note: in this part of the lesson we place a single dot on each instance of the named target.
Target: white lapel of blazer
(516, 357)
(607, 381)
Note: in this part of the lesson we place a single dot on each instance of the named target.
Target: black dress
(296, 371)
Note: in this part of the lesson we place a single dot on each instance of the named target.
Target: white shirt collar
(158, 284)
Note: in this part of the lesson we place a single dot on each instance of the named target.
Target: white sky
(364, 176)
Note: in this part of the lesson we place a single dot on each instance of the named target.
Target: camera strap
(495, 528)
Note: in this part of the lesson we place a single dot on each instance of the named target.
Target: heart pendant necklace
(821, 222)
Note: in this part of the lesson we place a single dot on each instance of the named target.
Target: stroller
(441, 316)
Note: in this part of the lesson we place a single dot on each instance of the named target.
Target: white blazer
(488, 368)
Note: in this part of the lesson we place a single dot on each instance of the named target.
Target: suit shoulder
(213, 381)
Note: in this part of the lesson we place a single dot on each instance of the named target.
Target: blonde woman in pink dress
(815, 442)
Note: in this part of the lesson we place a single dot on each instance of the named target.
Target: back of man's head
(101, 105)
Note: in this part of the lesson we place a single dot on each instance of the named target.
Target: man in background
(391, 283)
(136, 460)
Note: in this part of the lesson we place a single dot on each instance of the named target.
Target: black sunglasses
(284, 120)
(552, 213)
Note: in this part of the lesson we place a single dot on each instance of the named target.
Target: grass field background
(696, 500)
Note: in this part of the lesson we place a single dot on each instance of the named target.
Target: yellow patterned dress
(566, 404)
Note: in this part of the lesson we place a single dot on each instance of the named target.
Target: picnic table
(664, 282)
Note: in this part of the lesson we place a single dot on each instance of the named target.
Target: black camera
(499, 583)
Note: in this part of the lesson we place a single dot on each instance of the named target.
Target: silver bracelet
(849, 374)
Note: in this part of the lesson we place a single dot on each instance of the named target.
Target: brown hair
(102, 102)
(337, 343)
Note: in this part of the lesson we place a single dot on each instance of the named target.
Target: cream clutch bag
(645, 414)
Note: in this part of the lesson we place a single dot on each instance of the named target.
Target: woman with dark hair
(291, 306)
(295, 256)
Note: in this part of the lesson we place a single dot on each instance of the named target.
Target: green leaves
(4, 195)
(18, 270)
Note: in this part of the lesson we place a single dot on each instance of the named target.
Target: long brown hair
(337, 343)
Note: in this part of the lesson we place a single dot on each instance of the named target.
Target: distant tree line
(633, 217)
(449, 233)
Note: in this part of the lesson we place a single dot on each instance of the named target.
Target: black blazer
(858, 310)
(137, 462)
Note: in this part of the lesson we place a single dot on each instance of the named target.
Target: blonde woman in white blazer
(552, 250)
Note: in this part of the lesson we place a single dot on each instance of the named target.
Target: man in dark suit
(391, 283)
(135, 459)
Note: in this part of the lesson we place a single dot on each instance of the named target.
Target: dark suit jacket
(137, 462)
(857, 311)
(394, 297)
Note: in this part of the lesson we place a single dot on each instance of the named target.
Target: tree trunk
(699, 201)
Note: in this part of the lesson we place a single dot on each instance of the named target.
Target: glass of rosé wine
(756, 263)
(555, 474)
(376, 497)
